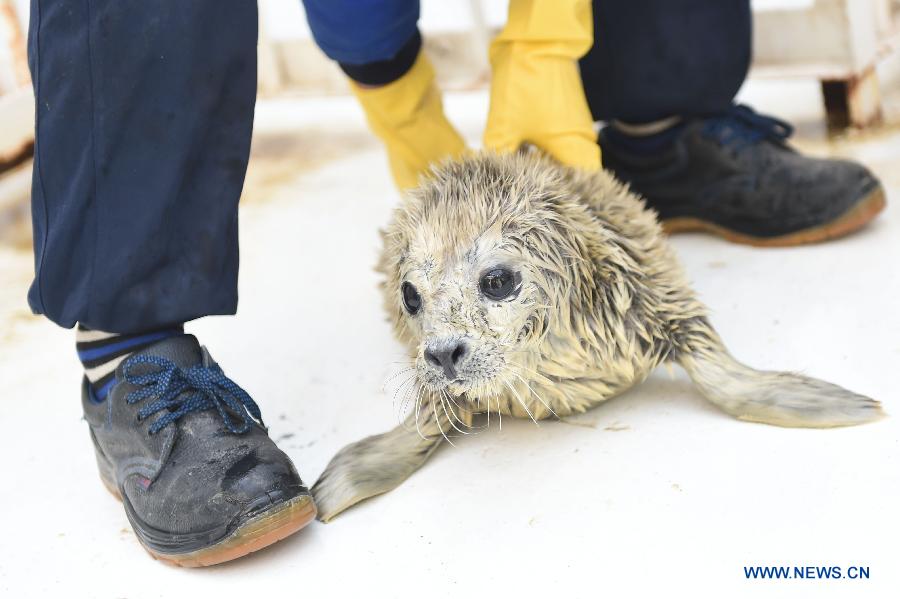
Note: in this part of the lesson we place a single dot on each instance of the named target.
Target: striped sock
(100, 353)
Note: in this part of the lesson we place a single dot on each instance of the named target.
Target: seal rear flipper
(377, 464)
(779, 398)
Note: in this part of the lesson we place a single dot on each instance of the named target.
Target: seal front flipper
(378, 464)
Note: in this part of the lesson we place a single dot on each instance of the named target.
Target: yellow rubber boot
(536, 90)
(408, 116)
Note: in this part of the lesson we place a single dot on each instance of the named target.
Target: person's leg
(654, 59)
(378, 46)
(144, 114)
(663, 75)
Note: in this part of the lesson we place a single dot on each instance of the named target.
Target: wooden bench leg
(853, 102)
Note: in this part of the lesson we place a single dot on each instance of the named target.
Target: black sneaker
(734, 175)
(184, 449)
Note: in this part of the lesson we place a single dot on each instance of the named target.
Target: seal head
(502, 278)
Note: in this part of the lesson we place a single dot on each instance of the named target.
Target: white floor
(654, 494)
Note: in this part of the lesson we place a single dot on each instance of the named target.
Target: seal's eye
(498, 283)
(412, 301)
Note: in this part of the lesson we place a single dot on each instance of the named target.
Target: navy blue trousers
(144, 112)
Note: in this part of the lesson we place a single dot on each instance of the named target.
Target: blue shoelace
(185, 390)
(741, 126)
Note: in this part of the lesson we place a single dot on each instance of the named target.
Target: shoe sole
(258, 532)
(852, 220)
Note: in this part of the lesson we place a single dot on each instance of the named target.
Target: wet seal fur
(600, 301)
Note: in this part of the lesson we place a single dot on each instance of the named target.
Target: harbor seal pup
(526, 288)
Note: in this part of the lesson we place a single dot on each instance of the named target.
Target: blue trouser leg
(361, 32)
(144, 113)
(658, 58)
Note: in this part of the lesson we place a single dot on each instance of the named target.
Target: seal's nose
(446, 356)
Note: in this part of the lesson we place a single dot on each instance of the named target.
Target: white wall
(284, 19)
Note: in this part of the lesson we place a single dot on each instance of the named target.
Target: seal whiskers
(404, 384)
(451, 415)
(533, 392)
(414, 395)
(522, 403)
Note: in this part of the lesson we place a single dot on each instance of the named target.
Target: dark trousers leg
(144, 113)
(657, 58)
